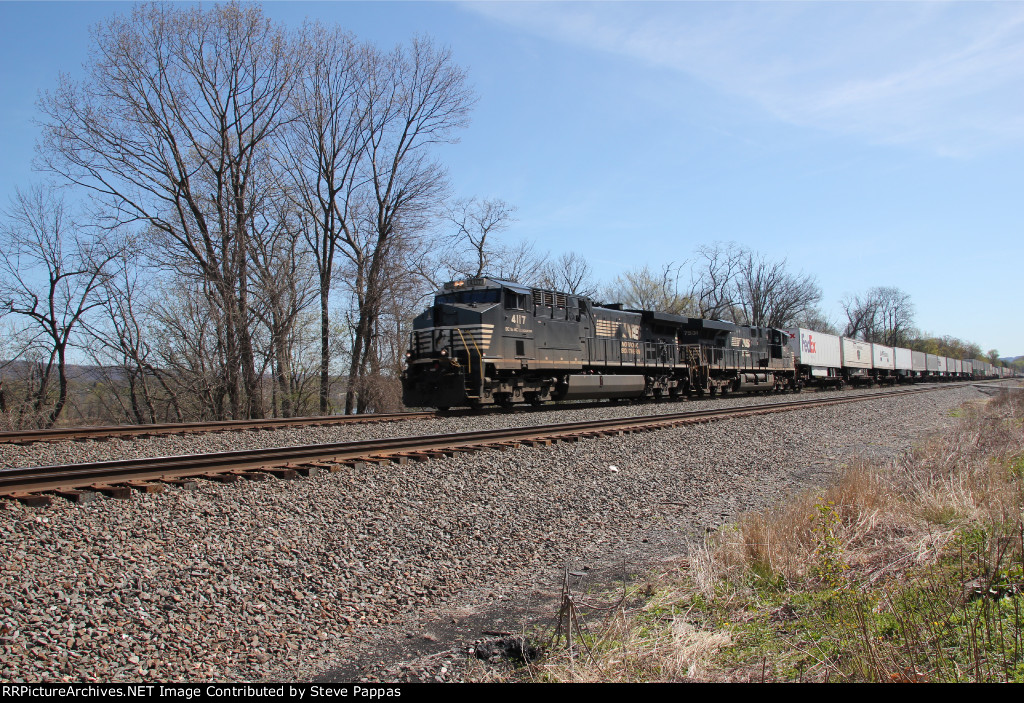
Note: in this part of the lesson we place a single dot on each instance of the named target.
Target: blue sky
(868, 143)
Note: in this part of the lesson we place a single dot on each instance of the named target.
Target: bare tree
(884, 315)
(713, 280)
(814, 319)
(768, 295)
(570, 273)
(414, 97)
(644, 289)
(726, 282)
(121, 347)
(179, 108)
(323, 154)
(284, 286)
(894, 315)
(51, 275)
(473, 250)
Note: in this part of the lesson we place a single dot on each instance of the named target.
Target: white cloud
(944, 77)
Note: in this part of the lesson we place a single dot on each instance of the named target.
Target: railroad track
(119, 479)
(179, 428)
(182, 428)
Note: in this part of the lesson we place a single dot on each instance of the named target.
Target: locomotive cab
(449, 344)
(488, 341)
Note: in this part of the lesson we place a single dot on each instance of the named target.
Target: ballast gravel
(285, 580)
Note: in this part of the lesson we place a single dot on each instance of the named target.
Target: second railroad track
(79, 482)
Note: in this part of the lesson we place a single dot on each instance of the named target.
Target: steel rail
(170, 428)
(20, 483)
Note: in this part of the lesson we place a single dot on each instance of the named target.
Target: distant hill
(1010, 359)
(82, 374)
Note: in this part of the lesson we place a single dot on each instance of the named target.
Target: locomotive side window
(516, 301)
(573, 311)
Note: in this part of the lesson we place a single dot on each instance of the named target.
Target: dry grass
(843, 554)
(656, 641)
(890, 514)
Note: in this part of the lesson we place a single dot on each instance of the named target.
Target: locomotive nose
(446, 315)
(453, 315)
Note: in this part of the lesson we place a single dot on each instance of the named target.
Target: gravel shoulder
(379, 573)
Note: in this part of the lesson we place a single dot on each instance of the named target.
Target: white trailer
(903, 362)
(818, 356)
(883, 360)
(920, 362)
(856, 360)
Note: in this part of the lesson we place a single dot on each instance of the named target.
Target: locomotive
(486, 341)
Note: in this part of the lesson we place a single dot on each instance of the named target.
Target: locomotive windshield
(469, 297)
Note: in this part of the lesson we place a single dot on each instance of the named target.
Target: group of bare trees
(884, 315)
(52, 274)
(273, 185)
(722, 281)
(257, 217)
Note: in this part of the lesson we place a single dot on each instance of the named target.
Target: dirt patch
(489, 634)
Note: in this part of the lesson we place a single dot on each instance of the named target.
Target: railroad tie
(439, 453)
(280, 472)
(417, 456)
(33, 500)
(331, 466)
(502, 446)
(187, 484)
(118, 492)
(251, 475)
(220, 478)
(146, 487)
(307, 470)
(76, 496)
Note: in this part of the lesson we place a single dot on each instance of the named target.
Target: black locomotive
(487, 341)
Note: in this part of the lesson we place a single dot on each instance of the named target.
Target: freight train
(486, 341)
